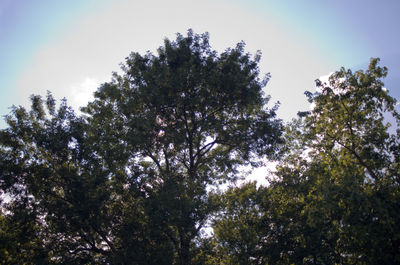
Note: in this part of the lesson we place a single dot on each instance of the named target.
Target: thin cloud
(82, 93)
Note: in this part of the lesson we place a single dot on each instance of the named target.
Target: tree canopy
(127, 182)
(335, 198)
(130, 180)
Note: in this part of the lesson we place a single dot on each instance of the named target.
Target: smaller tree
(347, 166)
(238, 228)
(21, 239)
(350, 113)
(335, 198)
(58, 187)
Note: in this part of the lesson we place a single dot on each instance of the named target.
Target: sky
(71, 47)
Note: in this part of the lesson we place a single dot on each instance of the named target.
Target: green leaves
(238, 226)
(349, 112)
(342, 156)
(194, 114)
(127, 182)
(335, 196)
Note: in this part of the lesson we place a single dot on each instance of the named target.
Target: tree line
(130, 180)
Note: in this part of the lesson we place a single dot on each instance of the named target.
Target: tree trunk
(184, 251)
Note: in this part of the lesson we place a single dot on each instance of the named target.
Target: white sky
(83, 55)
(75, 64)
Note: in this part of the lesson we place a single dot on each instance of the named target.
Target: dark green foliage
(126, 183)
(178, 122)
(353, 167)
(335, 198)
(238, 227)
(21, 240)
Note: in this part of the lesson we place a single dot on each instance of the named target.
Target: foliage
(21, 240)
(238, 227)
(127, 182)
(353, 167)
(180, 121)
(335, 198)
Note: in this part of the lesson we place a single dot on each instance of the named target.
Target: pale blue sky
(69, 47)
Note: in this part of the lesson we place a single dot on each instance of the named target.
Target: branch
(155, 161)
(189, 139)
(183, 161)
(92, 245)
(174, 241)
(349, 122)
(206, 148)
(359, 159)
(166, 160)
(104, 237)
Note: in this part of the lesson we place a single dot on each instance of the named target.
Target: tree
(345, 164)
(335, 198)
(186, 118)
(20, 237)
(127, 182)
(238, 228)
(49, 167)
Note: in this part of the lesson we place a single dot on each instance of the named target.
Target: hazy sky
(70, 47)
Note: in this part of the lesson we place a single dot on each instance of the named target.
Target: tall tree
(187, 118)
(127, 182)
